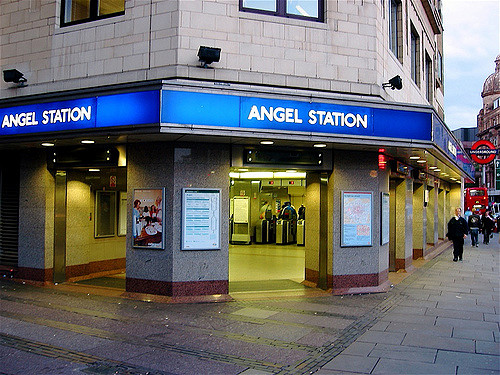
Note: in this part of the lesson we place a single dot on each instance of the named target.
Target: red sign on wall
(483, 152)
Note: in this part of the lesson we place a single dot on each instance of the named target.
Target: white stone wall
(159, 39)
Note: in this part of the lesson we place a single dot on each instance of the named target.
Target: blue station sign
(205, 109)
(102, 111)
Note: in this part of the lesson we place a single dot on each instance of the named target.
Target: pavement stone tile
(487, 347)
(459, 314)
(409, 353)
(183, 364)
(418, 303)
(20, 362)
(449, 289)
(352, 363)
(414, 310)
(392, 366)
(317, 338)
(443, 331)
(496, 335)
(291, 317)
(409, 318)
(471, 324)
(475, 371)
(359, 349)
(329, 322)
(492, 318)
(251, 371)
(119, 351)
(380, 326)
(324, 371)
(474, 334)
(270, 331)
(484, 361)
(436, 342)
(462, 306)
(252, 312)
(453, 297)
(394, 338)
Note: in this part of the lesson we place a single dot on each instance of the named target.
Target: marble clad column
(441, 214)
(358, 268)
(172, 271)
(404, 226)
(418, 220)
(36, 218)
(431, 222)
(312, 203)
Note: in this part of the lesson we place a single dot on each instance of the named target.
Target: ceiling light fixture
(320, 145)
(414, 157)
(266, 142)
(48, 144)
(87, 142)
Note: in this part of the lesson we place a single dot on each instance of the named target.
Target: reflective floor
(266, 267)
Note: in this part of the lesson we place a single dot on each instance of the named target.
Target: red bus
(476, 198)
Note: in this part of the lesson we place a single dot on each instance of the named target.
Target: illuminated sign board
(242, 112)
(87, 113)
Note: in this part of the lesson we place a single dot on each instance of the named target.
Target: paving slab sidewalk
(448, 322)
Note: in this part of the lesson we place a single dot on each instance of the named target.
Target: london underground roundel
(483, 152)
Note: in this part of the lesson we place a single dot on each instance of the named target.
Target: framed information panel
(201, 217)
(147, 218)
(356, 220)
(384, 218)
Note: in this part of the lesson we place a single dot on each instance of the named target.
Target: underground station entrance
(267, 230)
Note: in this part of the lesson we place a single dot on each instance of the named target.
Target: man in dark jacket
(475, 225)
(488, 226)
(457, 232)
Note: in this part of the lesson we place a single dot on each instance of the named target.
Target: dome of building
(492, 83)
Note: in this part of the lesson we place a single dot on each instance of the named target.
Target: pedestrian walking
(488, 225)
(475, 224)
(457, 232)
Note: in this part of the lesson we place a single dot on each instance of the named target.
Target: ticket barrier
(301, 232)
(282, 229)
(271, 230)
(262, 231)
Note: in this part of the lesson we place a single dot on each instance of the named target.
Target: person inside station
(302, 212)
(289, 214)
(265, 210)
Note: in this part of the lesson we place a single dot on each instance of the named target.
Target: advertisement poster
(356, 219)
(384, 219)
(200, 219)
(147, 218)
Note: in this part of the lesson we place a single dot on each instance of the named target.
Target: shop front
(207, 191)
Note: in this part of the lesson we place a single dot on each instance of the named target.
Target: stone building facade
(113, 101)
(488, 125)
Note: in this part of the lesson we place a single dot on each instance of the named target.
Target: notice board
(201, 217)
(356, 220)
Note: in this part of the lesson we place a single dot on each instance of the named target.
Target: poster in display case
(201, 218)
(147, 219)
(384, 218)
(356, 220)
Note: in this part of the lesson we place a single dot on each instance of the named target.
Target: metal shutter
(9, 215)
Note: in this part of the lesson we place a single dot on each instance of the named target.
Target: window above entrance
(79, 11)
(304, 9)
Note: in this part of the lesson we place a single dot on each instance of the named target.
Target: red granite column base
(177, 289)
